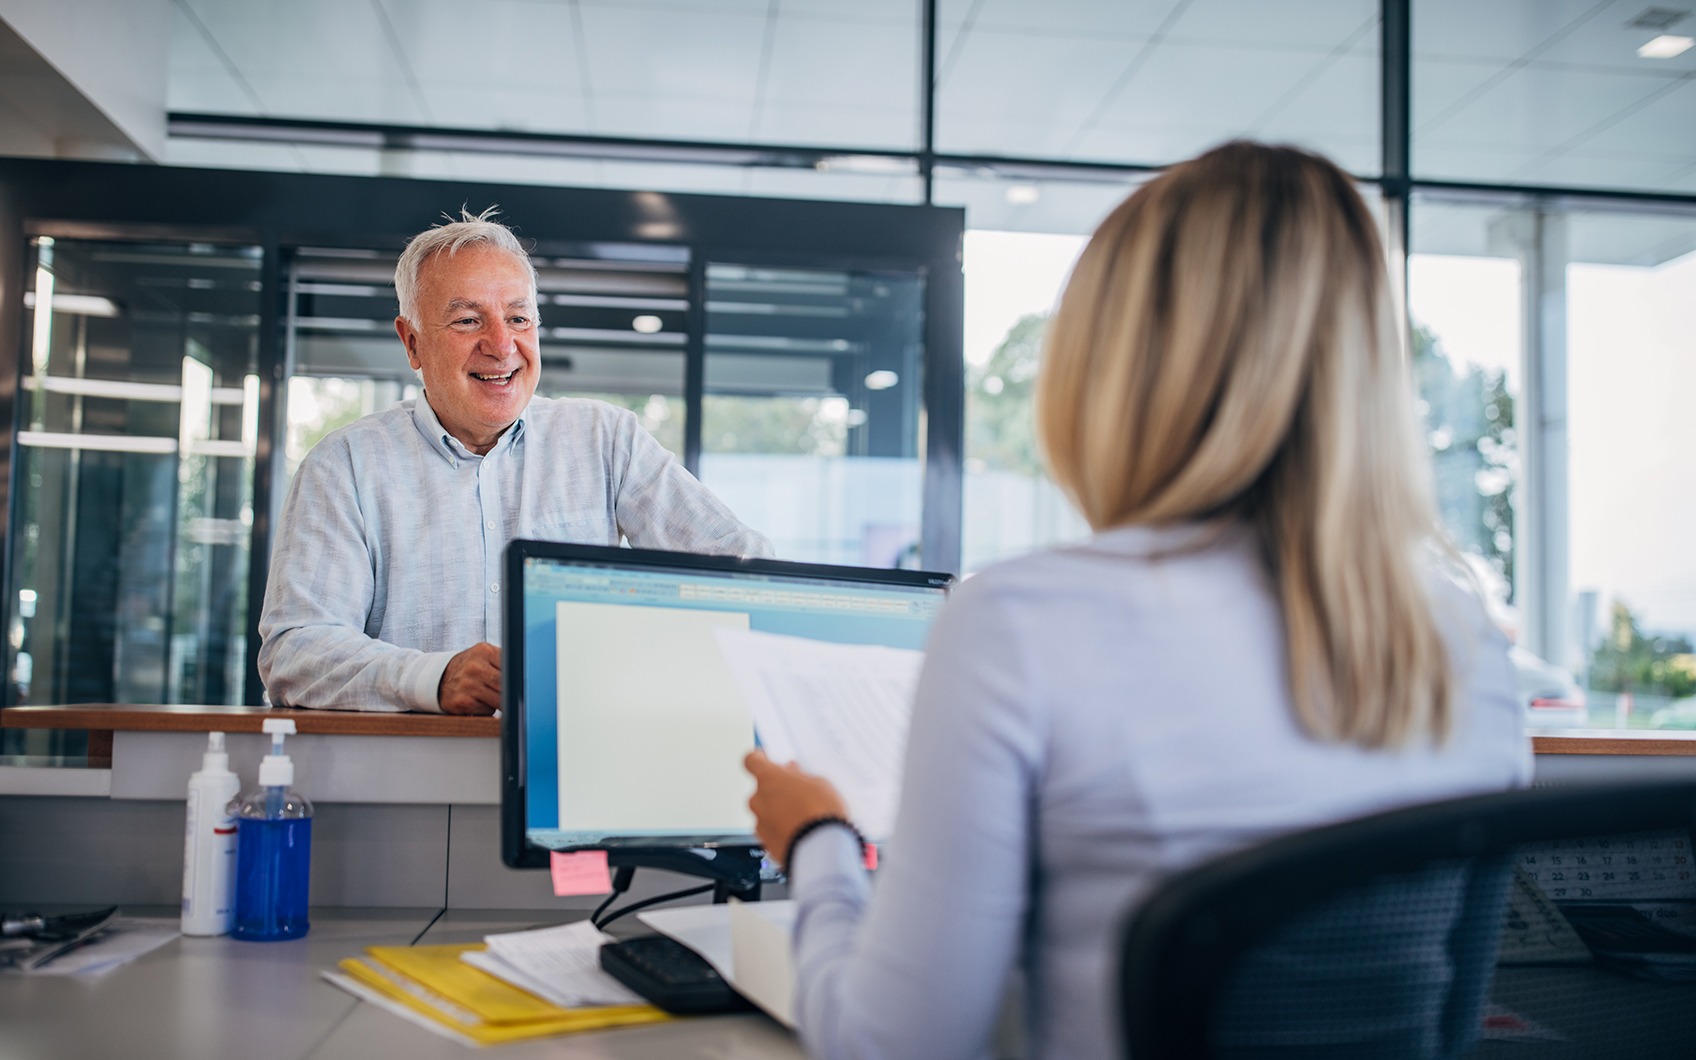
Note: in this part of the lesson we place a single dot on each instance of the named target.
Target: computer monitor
(621, 725)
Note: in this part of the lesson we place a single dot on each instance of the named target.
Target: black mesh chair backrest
(1379, 937)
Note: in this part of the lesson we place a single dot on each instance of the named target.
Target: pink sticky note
(584, 872)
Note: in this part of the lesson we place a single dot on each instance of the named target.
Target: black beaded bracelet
(814, 825)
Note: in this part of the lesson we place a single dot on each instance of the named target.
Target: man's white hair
(447, 239)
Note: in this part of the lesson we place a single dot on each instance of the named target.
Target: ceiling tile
(1440, 85)
(905, 13)
(190, 53)
(1335, 113)
(1502, 30)
(301, 56)
(1536, 107)
(840, 81)
(1052, 83)
(1314, 24)
(1593, 169)
(1093, 18)
(1185, 98)
(1608, 41)
(672, 55)
(831, 60)
(1664, 125)
(538, 54)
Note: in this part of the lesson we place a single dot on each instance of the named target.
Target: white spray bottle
(209, 845)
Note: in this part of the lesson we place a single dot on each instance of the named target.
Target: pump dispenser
(209, 845)
(274, 849)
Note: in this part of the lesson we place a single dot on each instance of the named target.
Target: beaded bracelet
(814, 825)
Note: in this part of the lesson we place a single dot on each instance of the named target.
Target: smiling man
(385, 583)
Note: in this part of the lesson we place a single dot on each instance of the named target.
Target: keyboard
(671, 975)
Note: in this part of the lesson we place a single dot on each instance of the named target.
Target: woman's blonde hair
(1227, 347)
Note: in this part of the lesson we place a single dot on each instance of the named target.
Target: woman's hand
(785, 798)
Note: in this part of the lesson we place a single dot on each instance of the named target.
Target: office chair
(1378, 937)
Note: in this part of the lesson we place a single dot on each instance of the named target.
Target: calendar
(1535, 931)
(1623, 868)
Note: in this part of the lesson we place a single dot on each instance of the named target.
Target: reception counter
(407, 804)
(407, 807)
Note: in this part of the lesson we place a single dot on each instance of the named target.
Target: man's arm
(314, 651)
(661, 505)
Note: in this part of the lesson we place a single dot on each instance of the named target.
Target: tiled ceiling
(1537, 92)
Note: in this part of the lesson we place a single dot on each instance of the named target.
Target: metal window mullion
(1540, 530)
(276, 363)
(695, 361)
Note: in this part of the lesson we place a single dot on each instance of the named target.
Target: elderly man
(385, 582)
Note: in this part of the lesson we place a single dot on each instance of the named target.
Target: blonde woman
(1258, 638)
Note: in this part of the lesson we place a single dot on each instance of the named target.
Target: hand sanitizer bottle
(209, 847)
(273, 849)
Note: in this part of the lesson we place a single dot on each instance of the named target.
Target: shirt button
(494, 587)
(490, 524)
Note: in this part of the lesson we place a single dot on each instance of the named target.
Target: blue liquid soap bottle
(273, 849)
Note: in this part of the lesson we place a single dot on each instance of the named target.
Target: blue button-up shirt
(388, 557)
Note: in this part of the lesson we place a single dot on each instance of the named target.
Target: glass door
(137, 429)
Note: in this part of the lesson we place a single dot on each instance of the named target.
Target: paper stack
(451, 991)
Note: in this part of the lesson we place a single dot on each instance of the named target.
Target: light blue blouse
(1088, 721)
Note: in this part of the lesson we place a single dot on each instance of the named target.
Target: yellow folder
(432, 981)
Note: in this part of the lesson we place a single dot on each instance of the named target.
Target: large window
(1554, 356)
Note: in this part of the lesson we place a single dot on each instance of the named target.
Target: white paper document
(838, 710)
(122, 940)
(558, 964)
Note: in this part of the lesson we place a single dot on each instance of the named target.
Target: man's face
(475, 342)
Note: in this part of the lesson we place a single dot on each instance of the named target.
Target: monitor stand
(734, 871)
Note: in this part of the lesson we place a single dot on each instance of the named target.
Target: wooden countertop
(120, 717)
(1615, 742)
(112, 717)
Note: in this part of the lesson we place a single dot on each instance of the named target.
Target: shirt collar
(446, 445)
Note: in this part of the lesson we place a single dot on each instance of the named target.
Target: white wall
(113, 54)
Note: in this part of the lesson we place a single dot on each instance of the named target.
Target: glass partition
(138, 423)
(811, 422)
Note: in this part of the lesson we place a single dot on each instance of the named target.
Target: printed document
(838, 710)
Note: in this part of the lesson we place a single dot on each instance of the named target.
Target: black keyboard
(671, 975)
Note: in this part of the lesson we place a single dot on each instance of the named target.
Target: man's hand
(785, 798)
(472, 682)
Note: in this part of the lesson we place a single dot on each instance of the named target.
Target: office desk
(220, 998)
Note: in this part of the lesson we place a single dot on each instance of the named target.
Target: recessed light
(647, 324)
(1023, 194)
(882, 379)
(1666, 46)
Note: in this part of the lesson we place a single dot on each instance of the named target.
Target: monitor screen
(622, 725)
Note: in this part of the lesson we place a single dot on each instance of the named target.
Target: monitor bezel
(516, 849)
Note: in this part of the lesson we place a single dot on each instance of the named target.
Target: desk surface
(218, 998)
